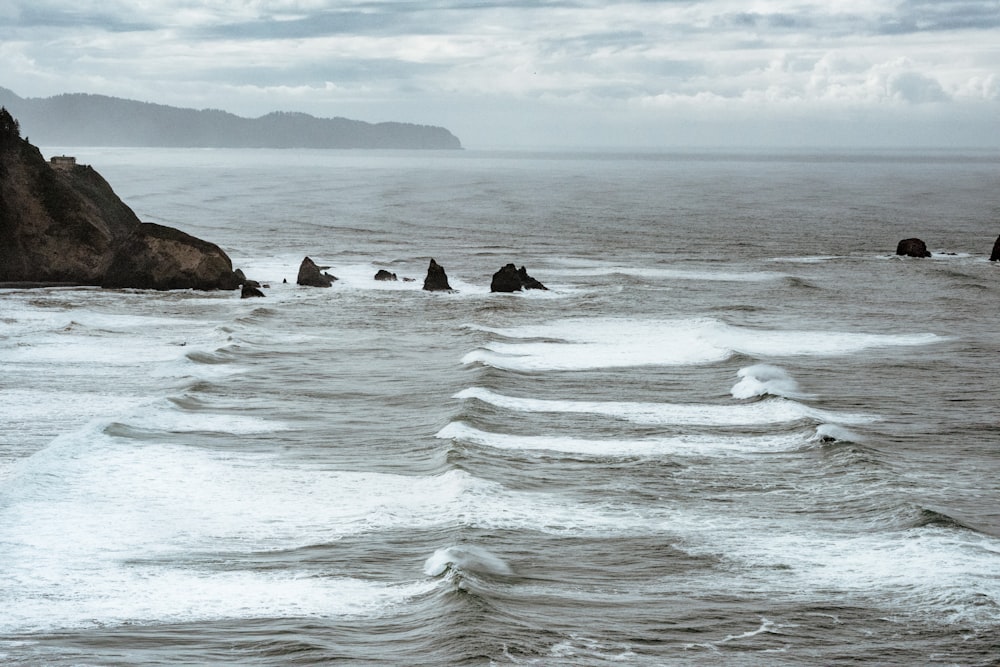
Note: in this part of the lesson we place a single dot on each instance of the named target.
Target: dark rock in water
(912, 248)
(436, 280)
(528, 282)
(250, 283)
(382, 274)
(250, 291)
(62, 222)
(512, 279)
(995, 255)
(506, 280)
(312, 275)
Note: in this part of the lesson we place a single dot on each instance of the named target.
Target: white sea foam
(96, 530)
(943, 574)
(362, 276)
(175, 421)
(773, 411)
(577, 344)
(836, 432)
(113, 594)
(654, 273)
(815, 259)
(688, 445)
(466, 557)
(766, 380)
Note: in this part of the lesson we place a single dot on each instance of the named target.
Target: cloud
(570, 64)
(938, 15)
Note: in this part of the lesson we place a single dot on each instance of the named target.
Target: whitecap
(700, 275)
(773, 411)
(766, 380)
(687, 445)
(813, 259)
(835, 432)
(468, 558)
(580, 344)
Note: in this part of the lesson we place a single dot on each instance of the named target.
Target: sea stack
(512, 279)
(312, 275)
(995, 255)
(60, 222)
(436, 280)
(912, 248)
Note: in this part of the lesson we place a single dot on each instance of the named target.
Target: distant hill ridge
(78, 119)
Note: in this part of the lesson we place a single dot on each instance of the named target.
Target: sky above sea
(537, 73)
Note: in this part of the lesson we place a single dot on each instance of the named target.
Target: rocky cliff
(62, 223)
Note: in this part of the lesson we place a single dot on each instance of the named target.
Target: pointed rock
(436, 280)
(312, 275)
(995, 255)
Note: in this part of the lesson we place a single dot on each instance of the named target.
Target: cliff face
(66, 225)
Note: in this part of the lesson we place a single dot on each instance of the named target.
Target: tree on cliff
(10, 129)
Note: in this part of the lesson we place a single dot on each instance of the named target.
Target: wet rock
(995, 255)
(436, 280)
(512, 279)
(912, 248)
(382, 274)
(250, 291)
(312, 275)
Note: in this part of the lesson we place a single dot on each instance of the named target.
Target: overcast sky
(537, 73)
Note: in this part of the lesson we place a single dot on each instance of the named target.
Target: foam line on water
(689, 445)
(114, 595)
(808, 259)
(773, 411)
(188, 422)
(579, 344)
(709, 275)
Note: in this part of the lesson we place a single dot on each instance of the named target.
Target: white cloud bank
(543, 73)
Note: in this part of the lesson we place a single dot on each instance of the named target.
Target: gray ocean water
(736, 429)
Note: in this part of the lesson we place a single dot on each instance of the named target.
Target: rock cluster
(512, 279)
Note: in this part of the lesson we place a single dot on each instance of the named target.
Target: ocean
(735, 430)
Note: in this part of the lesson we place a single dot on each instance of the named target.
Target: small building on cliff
(62, 162)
